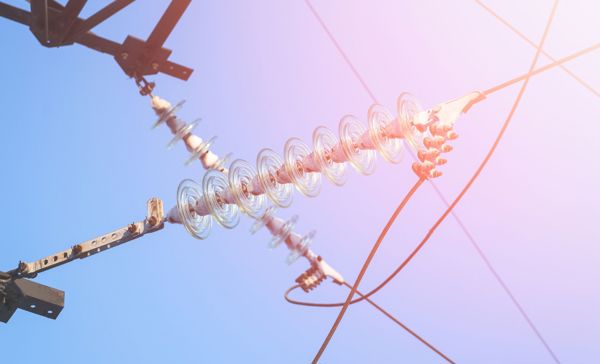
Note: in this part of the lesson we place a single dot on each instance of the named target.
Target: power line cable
(532, 43)
(451, 207)
(365, 266)
(375, 305)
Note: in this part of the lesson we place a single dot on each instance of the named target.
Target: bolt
(440, 161)
(132, 228)
(152, 220)
(77, 249)
(428, 154)
(445, 148)
(452, 135)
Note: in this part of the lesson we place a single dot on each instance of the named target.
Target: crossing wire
(451, 207)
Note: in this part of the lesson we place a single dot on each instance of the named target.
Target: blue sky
(79, 160)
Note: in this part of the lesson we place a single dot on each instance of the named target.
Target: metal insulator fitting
(446, 148)
(132, 229)
(440, 161)
(425, 170)
(452, 135)
(434, 173)
(428, 166)
(310, 279)
(77, 249)
(419, 171)
(429, 154)
(433, 142)
(421, 127)
(23, 268)
(440, 129)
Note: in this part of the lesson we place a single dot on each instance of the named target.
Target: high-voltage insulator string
(241, 175)
(301, 166)
(217, 190)
(454, 203)
(226, 192)
(246, 174)
(244, 188)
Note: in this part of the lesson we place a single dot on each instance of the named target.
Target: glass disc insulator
(380, 124)
(200, 150)
(216, 190)
(351, 133)
(268, 165)
(295, 155)
(182, 132)
(241, 177)
(408, 109)
(324, 142)
(301, 248)
(188, 196)
(284, 232)
(263, 220)
(167, 114)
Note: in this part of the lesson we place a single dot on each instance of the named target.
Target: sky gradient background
(79, 160)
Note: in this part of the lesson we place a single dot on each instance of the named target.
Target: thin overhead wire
(376, 306)
(340, 50)
(366, 264)
(454, 203)
(486, 261)
(461, 225)
(531, 43)
(541, 69)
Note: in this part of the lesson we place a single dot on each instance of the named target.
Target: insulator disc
(408, 108)
(324, 140)
(295, 154)
(284, 232)
(241, 175)
(167, 114)
(302, 248)
(351, 132)
(263, 220)
(216, 187)
(202, 149)
(185, 130)
(380, 123)
(268, 164)
(188, 195)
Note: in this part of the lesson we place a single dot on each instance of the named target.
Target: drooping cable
(376, 306)
(454, 203)
(495, 89)
(470, 237)
(365, 266)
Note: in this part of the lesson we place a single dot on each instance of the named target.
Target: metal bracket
(30, 296)
(153, 222)
(56, 25)
(18, 292)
